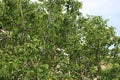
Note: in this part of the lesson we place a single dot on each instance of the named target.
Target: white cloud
(109, 9)
(101, 6)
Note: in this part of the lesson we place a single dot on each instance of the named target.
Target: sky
(108, 9)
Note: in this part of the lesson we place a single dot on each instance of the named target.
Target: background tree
(51, 40)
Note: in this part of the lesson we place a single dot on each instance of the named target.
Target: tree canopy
(52, 40)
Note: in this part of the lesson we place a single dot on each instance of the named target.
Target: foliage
(52, 40)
